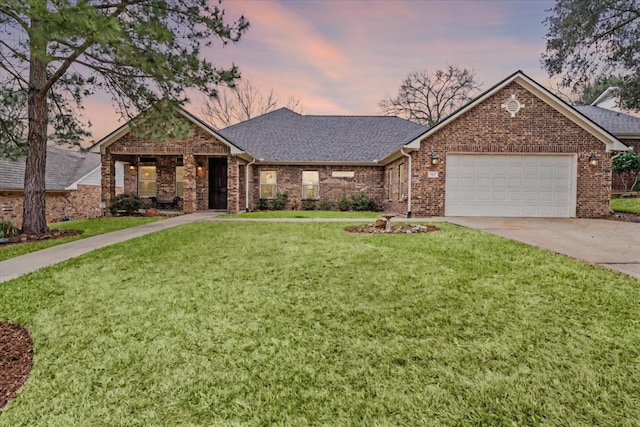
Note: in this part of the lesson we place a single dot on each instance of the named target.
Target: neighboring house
(625, 127)
(515, 150)
(610, 100)
(72, 182)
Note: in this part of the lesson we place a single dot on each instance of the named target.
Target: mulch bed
(396, 229)
(51, 234)
(16, 359)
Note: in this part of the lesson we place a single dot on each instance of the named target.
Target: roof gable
(125, 129)
(611, 142)
(64, 168)
(286, 136)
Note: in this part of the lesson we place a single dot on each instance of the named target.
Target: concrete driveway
(611, 244)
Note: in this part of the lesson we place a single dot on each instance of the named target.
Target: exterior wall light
(435, 159)
(200, 168)
(132, 167)
(593, 160)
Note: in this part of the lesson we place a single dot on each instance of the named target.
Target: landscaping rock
(152, 212)
(380, 223)
(396, 229)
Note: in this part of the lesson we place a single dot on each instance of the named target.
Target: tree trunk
(34, 216)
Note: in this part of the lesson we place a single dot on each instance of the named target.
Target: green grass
(626, 204)
(90, 227)
(304, 324)
(304, 214)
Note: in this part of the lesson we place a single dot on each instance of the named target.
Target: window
(310, 185)
(147, 185)
(402, 181)
(268, 184)
(179, 181)
(390, 183)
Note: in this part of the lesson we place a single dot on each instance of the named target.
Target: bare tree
(426, 98)
(241, 102)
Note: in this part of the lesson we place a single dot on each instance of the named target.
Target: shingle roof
(284, 135)
(613, 121)
(64, 167)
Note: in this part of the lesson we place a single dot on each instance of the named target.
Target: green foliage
(89, 227)
(278, 203)
(589, 39)
(326, 205)
(309, 205)
(627, 165)
(305, 324)
(626, 204)
(344, 203)
(7, 229)
(594, 89)
(361, 202)
(138, 52)
(125, 203)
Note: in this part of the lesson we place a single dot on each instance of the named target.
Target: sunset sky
(343, 56)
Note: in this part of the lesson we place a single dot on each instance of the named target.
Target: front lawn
(221, 323)
(90, 227)
(626, 204)
(304, 214)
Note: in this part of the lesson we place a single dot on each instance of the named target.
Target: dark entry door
(218, 183)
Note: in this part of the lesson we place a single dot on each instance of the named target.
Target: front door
(218, 183)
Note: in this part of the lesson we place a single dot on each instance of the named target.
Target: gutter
(408, 156)
(246, 184)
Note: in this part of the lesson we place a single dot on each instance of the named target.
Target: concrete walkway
(15, 267)
(611, 244)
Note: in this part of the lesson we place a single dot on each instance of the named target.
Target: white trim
(74, 184)
(125, 129)
(611, 142)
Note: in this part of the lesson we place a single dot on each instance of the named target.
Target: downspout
(246, 184)
(408, 156)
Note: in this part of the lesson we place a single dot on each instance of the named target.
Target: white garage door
(524, 185)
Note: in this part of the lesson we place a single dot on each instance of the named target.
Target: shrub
(362, 202)
(326, 205)
(126, 203)
(344, 204)
(280, 202)
(265, 205)
(309, 205)
(7, 229)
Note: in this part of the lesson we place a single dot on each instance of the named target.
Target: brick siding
(488, 128)
(369, 179)
(195, 150)
(82, 203)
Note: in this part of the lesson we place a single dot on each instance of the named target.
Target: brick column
(108, 172)
(233, 185)
(189, 184)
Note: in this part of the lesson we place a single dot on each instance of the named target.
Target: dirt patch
(16, 359)
(51, 234)
(396, 229)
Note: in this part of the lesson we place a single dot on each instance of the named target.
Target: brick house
(72, 182)
(515, 150)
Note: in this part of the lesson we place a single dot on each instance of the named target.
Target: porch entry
(218, 183)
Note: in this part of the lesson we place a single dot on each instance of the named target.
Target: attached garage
(511, 185)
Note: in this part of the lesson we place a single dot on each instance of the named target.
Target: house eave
(610, 141)
(125, 129)
(315, 163)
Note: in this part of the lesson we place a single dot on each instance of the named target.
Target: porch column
(190, 199)
(108, 181)
(233, 185)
